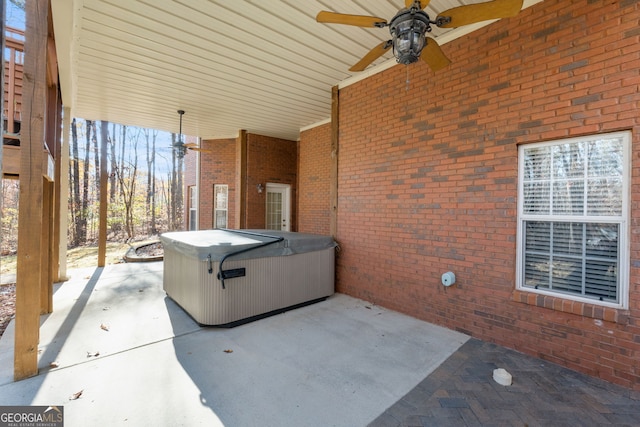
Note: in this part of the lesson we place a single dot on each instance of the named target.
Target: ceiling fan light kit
(408, 30)
(409, 26)
(179, 146)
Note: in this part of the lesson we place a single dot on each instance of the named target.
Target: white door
(278, 207)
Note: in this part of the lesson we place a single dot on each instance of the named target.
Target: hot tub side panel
(270, 283)
(182, 281)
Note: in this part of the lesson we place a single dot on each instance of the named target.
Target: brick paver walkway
(461, 392)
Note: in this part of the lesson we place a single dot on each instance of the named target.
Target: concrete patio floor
(139, 359)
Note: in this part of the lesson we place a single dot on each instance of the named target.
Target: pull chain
(407, 81)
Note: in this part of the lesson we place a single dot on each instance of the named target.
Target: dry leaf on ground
(76, 396)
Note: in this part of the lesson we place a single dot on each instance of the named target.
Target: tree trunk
(172, 184)
(150, 138)
(96, 161)
(114, 165)
(82, 218)
(122, 152)
(152, 172)
(75, 182)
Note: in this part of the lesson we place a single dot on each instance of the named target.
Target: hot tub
(228, 277)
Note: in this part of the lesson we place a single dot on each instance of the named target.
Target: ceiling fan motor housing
(408, 30)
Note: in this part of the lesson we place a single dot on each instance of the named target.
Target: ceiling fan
(180, 147)
(409, 26)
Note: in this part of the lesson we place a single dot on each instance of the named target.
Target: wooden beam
(11, 95)
(241, 180)
(11, 160)
(102, 226)
(27, 320)
(335, 146)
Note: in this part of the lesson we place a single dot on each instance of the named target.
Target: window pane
(274, 210)
(602, 241)
(221, 219)
(605, 197)
(568, 197)
(606, 157)
(568, 238)
(568, 160)
(538, 237)
(537, 184)
(602, 280)
(574, 258)
(536, 271)
(537, 196)
(537, 163)
(567, 275)
(221, 193)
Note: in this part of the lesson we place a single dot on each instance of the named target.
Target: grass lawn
(82, 256)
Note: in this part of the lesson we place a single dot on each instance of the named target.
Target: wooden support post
(27, 320)
(102, 226)
(335, 136)
(241, 180)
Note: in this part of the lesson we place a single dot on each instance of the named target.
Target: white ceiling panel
(265, 66)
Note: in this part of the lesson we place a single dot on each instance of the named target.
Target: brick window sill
(607, 314)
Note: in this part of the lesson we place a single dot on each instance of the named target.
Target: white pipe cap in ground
(502, 377)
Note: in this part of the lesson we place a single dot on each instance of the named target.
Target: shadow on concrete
(53, 349)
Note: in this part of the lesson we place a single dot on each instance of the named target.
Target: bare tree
(127, 175)
(74, 180)
(151, 177)
(114, 164)
(84, 209)
(175, 183)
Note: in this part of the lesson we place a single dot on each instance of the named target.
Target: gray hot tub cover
(219, 243)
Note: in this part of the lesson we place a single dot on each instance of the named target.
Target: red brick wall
(428, 178)
(217, 166)
(314, 184)
(269, 160)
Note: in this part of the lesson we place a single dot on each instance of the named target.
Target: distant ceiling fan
(409, 26)
(180, 147)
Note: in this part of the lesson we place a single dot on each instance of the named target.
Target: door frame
(285, 190)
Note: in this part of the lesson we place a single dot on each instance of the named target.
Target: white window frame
(622, 221)
(193, 207)
(220, 207)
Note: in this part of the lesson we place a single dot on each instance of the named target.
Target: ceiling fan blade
(373, 54)
(433, 55)
(357, 20)
(472, 13)
(409, 3)
(195, 147)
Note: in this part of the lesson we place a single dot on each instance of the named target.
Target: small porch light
(408, 30)
(260, 188)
